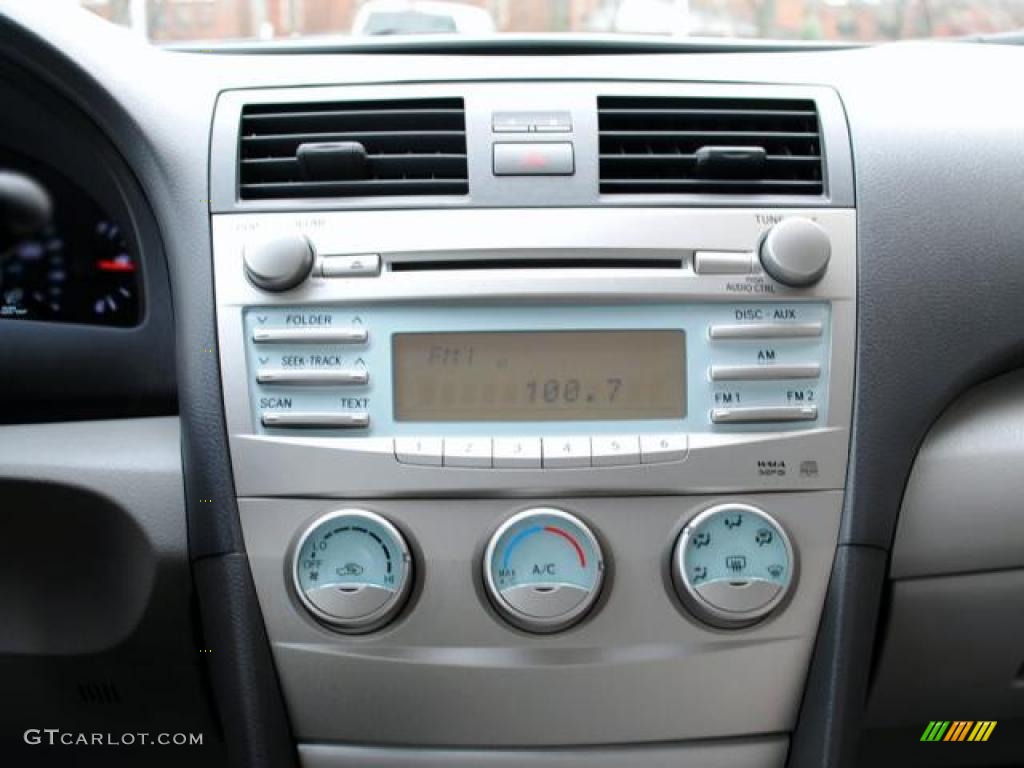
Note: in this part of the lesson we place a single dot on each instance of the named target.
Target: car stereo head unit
(453, 351)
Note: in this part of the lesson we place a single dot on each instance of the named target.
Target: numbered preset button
(423, 451)
(517, 453)
(566, 452)
(615, 450)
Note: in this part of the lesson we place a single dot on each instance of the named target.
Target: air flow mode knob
(279, 264)
(796, 252)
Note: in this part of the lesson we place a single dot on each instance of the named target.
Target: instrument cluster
(63, 257)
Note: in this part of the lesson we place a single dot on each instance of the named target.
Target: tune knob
(796, 252)
(279, 264)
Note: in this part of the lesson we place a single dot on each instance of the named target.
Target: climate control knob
(543, 569)
(352, 570)
(733, 565)
(796, 252)
(279, 264)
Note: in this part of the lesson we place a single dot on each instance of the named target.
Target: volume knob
(796, 252)
(279, 264)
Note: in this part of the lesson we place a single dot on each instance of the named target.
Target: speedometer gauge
(112, 290)
(78, 268)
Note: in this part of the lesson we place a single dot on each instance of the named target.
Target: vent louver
(353, 149)
(737, 146)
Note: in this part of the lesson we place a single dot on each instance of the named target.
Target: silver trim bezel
(708, 612)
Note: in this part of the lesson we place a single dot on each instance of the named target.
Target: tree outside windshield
(169, 21)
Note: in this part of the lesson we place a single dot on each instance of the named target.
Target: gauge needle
(114, 265)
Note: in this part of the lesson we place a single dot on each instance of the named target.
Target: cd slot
(588, 261)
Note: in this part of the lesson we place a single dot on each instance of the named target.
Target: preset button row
(541, 452)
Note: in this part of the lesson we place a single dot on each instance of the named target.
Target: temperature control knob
(732, 565)
(279, 264)
(796, 252)
(352, 570)
(543, 569)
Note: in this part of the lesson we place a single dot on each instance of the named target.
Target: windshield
(169, 21)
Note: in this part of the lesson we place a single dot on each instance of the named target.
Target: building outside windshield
(171, 21)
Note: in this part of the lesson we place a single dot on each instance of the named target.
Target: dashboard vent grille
(353, 149)
(656, 145)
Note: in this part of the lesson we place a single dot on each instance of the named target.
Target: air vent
(709, 146)
(353, 149)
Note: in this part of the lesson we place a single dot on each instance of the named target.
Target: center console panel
(530, 464)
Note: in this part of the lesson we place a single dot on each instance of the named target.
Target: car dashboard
(485, 407)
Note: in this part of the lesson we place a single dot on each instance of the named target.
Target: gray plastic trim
(97, 603)
(830, 717)
(762, 752)
(136, 466)
(952, 646)
(961, 511)
(450, 672)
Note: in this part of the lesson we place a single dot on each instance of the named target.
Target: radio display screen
(540, 375)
